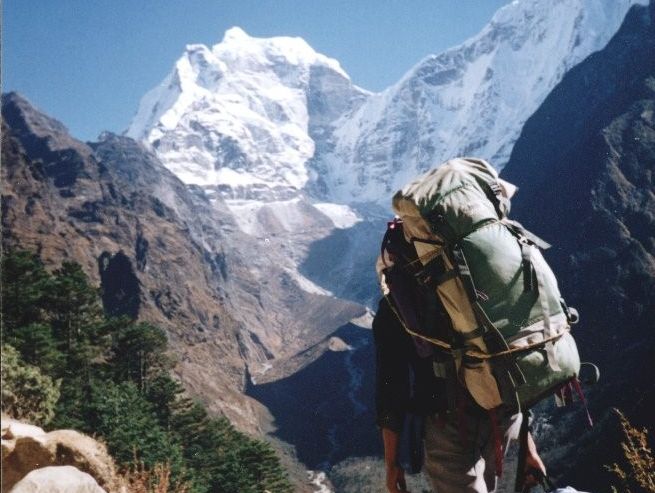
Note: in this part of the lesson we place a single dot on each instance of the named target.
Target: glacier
(283, 137)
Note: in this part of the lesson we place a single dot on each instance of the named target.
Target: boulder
(29, 453)
(86, 454)
(57, 479)
(26, 448)
(14, 429)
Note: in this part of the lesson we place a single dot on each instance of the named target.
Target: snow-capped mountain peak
(270, 118)
(236, 118)
(242, 50)
(472, 99)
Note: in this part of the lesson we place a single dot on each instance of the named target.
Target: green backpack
(514, 345)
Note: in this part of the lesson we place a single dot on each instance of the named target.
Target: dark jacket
(405, 381)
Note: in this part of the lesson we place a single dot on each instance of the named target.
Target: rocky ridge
(471, 100)
(162, 252)
(282, 134)
(587, 156)
(263, 119)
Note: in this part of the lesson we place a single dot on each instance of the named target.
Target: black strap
(520, 232)
(494, 193)
(446, 276)
(440, 227)
(434, 273)
(529, 283)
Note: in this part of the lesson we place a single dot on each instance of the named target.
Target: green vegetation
(26, 392)
(67, 365)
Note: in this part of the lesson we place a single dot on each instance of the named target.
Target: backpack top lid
(459, 191)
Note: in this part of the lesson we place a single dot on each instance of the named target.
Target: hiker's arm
(392, 385)
(391, 390)
(395, 476)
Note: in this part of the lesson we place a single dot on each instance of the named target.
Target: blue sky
(88, 62)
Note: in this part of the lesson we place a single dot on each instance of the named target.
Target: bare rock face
(57, 479)
(585, 167)
(121, 225)
(26, 449)
(162, 252)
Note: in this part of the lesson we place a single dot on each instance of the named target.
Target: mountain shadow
(325, 408)
(585, 167)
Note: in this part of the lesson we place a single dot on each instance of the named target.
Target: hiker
(472, 332)
(460, 455)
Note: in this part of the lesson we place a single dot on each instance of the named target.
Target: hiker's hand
(396, 479)
(534, 466)
(395, 474)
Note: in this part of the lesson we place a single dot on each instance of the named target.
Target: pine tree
(163, 393)
(138, 353)
(24, 283)
(76, 318)
(113, 380)
(127, 422)
(38, 347)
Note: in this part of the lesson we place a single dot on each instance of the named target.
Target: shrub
(637, 474)
(140, 479)
(26, 392)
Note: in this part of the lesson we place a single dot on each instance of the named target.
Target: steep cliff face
(471, 100)
(585, 166)
(162, 252)
(263, 119)
(60, 199)
(242, 118)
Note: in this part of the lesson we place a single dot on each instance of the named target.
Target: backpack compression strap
(507, 371)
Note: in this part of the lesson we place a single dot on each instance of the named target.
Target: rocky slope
(162, 252)
(587, 158)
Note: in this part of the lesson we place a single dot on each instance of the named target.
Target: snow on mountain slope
(470, 100)
(288, 141)
(264, 119)
(235, 118)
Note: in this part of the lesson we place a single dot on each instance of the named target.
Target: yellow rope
(436, 342)
(473, 352)
(480, 355)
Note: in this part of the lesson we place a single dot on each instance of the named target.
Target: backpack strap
(394, 227)
(498, 444)
(548, 328)
(578, 389)
(506, 369)
(534, 278)
(527, 241)
(464, 273)
(520, 232)
(494, 193)
(528, 268)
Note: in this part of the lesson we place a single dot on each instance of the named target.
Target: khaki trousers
(461, 458)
